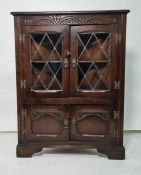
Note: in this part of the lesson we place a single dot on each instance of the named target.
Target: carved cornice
(70, 19)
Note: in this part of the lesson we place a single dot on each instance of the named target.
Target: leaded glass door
(93, 60)
(47, 72)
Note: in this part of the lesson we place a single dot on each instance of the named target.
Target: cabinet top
(71, 12)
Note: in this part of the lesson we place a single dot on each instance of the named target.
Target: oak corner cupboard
(70, 80)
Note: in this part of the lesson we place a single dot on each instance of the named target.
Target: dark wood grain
(73, 12)
(71, 117)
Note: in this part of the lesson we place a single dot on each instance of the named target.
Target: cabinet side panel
(121, 73)
(18, 55)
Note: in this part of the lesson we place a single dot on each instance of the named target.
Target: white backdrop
(8, 121)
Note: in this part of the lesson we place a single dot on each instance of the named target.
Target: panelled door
(93, 68)
(47, 123)
(46, 67)
(91, 123)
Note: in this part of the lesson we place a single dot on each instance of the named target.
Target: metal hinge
(118, 38)
(22, 37)
(117, 85)
(24, 130)
(116, 115)
(24, 113)
(115, 133)
(23, 84)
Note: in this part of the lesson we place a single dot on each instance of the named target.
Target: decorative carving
(36, 114)
(104, 116)
(69, 19)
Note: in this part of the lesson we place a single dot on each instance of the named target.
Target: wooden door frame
(105, 114)
(64, 29)
(111, 28)
(58, 113)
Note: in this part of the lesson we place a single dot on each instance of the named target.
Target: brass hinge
(24, 130)
(22, 37)
(116, 115)
(24, 113)
(23, 84)
(117, 85)
(118, 38)
(115, 133)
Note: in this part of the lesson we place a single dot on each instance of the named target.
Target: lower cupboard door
(91, 123)
(47, 123)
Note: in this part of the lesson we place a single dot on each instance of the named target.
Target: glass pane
(94, 52)
(46, 46)
(46, 56)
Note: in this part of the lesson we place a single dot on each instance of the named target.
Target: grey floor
(69, 162)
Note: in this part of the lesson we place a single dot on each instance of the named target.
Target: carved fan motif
(70, 19)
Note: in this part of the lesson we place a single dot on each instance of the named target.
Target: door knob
(66, 123)
(66, 60)
(66, 63)
(68, 53)
(74, 63)
(73, 123)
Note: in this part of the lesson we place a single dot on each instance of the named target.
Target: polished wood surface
(70, 80)
(73, 12)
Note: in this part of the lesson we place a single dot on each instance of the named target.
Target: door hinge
(118, 38)
(116, 115)
(24, 130)
(22, 37)
(23, 84)
(115, 133)
(117, 85)
(24, 113)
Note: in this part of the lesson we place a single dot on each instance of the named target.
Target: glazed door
(93, 68)
(91, 123)
(46, 66)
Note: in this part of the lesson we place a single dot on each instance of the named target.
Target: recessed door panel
(91, 123)
(47, 123)
(45, 50)
(93, 60)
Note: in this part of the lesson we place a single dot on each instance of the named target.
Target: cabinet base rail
(116, 152)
